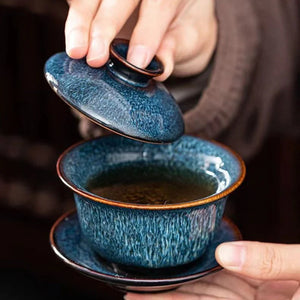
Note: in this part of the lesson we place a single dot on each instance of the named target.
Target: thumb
(261, 260)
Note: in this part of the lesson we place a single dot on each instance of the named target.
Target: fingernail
(138, 55)
(232, 256)
(75, 41)
(97, 49)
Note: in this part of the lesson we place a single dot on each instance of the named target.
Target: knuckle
(201, 39)
(112, 4)
(154, 1)
(190, 39)
(167, 4)
(195, 34)
(205, 34)
(99, 29)
(135, 2)
(80, 28)
(271, 263)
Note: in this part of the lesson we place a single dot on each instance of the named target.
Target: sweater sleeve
(236, 54)
(252, 86)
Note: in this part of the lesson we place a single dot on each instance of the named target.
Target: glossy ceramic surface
(152, 236)
(69, 244)
(118, 96)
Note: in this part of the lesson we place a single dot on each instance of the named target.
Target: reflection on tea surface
(152, 184)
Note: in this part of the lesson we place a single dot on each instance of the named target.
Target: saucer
(118, 96)
(69, 245)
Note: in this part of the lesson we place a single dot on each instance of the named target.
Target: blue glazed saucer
(69, 245)
(118, 96)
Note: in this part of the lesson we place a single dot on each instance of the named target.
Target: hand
(182, 33)
(255, 270)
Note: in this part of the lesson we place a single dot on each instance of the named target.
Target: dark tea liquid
(152, 185)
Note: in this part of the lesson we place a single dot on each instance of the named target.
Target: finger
(177, 42)
(231, 281)
(261, 260)
(175, 58)
(171, 296)
(211, 289)
(154, 19)
(275, 289)
(110, 18)
(199, 54)
(77, 27)
(190, 43)
(166, 53)
(296, 296)
(196, 47)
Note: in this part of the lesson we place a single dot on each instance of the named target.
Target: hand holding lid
(118, 96)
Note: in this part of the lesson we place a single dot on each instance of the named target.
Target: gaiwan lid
(118, 96)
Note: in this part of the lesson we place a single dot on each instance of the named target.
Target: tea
(154, 184)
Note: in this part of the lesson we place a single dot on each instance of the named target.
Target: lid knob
(124, 70)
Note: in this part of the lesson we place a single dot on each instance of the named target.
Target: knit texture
(252, 88)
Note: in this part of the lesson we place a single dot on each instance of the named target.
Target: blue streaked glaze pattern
(71, 246)
(117, 100)
(144, 237)
(148, 238)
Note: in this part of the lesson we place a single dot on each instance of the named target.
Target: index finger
(153, 22)
(77, 27)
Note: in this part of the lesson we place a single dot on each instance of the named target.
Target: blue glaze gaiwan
(142, 235)
(118, 96)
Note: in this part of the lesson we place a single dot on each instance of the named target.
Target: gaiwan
(150, 235)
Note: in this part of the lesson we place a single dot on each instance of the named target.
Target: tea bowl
(150, 235)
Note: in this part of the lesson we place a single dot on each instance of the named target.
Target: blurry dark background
(35, 127)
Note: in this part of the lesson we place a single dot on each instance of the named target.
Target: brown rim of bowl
(114, 53)
(192, 203)
(84, 269)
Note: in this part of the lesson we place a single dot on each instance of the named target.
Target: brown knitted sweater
(252, 87)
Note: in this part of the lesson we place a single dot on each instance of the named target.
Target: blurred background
(36, 126)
